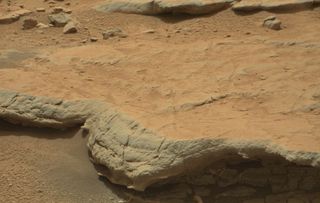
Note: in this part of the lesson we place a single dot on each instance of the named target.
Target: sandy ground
(260, 84)
(48, 166)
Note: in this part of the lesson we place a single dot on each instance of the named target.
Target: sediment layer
(133, 155)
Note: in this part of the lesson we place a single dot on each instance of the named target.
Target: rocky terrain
(176, 101)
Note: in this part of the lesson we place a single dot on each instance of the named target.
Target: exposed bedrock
(154, 7)
(194, 7)
(137, 157)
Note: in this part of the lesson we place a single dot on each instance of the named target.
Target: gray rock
(272, 22)
(154, 7)
(29, 23)
(254, 5)
(113, 32)
(59, 20)
(70, 27)
(13, 16)
(134, 155)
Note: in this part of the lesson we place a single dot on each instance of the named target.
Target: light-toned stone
(272, 22)
(252, 5)
(59, 20)
(13, 16)
(70, 28)
(151, 7)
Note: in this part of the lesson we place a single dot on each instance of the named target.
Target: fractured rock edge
(135, 156)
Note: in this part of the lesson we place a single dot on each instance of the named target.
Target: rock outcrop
(154, 7)
(196, 7)
(254, 5)
(13, 16)
(138, 157)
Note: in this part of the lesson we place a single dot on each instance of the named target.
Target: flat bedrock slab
(254, 5)
(194, 7)
(134, 155)
(13, 16)
(154, 7)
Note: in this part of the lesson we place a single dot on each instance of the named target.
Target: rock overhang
(135, 156)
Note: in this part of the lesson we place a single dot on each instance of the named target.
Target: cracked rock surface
(133, 155)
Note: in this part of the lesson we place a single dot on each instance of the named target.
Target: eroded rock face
(59, 19)
(13, 16)
(153, 7)
(254, 5)
(194, 7)
(272, 22)
(270, 179)
(138, 157)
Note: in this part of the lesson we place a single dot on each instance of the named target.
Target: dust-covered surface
(221, 75)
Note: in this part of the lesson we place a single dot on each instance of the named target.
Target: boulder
(255, 5)
(13, 16)
(272, 22)
(59, 19)
(154, 7)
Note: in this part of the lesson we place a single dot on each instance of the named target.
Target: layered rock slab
(133, 155)
(154, 7)
(254, 5)
(194, 7)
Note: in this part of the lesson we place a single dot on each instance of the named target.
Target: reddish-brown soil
(265, 85)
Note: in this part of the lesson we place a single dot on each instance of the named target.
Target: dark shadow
(176, 18)
(41, 133)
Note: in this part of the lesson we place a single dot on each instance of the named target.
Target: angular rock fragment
(154, 7)
(13, 16)
(29, 23)
(59, 19)
(70, 27)
(272, 22)
(114, 32)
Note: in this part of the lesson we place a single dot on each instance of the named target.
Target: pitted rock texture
(133, 155)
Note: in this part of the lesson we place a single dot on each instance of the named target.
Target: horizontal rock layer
(133, 155)
(154, 7)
